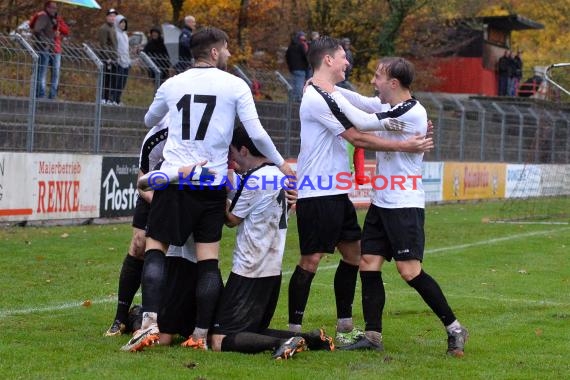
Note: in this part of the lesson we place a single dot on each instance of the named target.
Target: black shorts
(323, 222)
(142, 208)
(177, 314)
(247, 304)
(394, 233)
(177, 213)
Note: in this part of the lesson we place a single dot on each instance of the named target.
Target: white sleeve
(365, 103)
(362, 120)
(157, 110)
(262, 141)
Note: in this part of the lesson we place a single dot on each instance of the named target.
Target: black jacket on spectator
(296, 57)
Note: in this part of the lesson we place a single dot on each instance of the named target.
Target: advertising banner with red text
(470, 180)
(43, 186)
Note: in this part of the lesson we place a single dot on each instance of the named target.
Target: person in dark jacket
(296, 57)
(503, 71)
(156, 50)
(48, 29)
(107, 38)
(185, 59)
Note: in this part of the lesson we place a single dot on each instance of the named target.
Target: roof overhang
(510, 22)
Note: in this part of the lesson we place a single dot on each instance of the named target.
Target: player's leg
(129, 282)
(208, 213)
(432, 294)
(164, 227)
(347, 270)
(300, 288)
(131, 270)
(320, 229)
(374, 244)
(344, 287)
(408, 252)
(152, 280)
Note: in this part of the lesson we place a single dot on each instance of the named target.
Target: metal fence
(516, 130)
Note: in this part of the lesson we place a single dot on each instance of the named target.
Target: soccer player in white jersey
(394, 224)
(202, 103)
(132, 268)
(326, 218)
(259, 210)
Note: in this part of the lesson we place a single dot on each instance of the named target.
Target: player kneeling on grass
(177, 312)
(259, 210)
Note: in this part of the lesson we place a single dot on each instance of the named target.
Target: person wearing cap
(156, 50)
(296, 57)
(107, 38)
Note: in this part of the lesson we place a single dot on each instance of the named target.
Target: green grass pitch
(507, 283)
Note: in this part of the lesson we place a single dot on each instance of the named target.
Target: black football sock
(129, 282)
(433, 296)
(208, 290)
(373, 299)
(299, 288)
(152, 280)
(344, 288)
(250, 343)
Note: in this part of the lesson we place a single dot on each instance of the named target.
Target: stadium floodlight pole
(547, 77)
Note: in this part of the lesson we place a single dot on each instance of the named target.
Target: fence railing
(504, 129)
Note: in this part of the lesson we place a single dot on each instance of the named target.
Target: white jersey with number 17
(202, 104)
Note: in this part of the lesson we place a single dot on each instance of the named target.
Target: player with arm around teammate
(394, 224)
(326, 218)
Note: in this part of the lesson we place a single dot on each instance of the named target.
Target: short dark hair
(241, 138)
(320, 47)
(205, 39)
(398, 68)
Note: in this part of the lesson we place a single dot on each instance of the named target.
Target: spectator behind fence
(517, 74)
(503, 71)
(108, 43)
(296, 57)
(185, 58)
(119, 80)
(156, 50)
(48, 29)
(511, 74)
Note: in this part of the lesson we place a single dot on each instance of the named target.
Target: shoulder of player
(315, 102)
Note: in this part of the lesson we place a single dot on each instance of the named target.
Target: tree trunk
(242, 23)
(176, 9)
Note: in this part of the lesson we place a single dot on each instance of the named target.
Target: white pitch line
(70, 305)
(495, 240)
